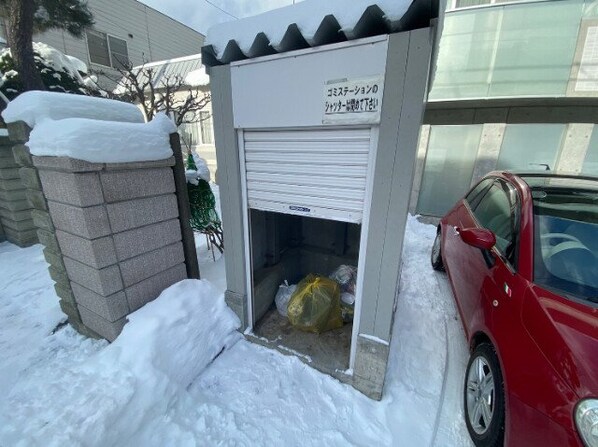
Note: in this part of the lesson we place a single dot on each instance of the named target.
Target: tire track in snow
(443, 388)
(450, 427)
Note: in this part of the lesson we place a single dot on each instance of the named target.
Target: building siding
(155, 35)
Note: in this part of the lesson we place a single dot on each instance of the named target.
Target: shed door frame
(374, 134)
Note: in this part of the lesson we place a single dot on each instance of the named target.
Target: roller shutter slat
(308, 172)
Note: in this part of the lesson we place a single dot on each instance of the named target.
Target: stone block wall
(112, 236)
(15, 210)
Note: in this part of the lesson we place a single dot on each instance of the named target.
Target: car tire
(484, 398)
(436, 255)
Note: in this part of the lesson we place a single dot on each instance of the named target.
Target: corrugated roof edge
(372, 22)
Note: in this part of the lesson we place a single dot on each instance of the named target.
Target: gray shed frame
(408, 56)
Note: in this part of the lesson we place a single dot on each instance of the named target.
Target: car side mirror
(478, 237)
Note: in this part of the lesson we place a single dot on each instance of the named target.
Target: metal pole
(180, 182)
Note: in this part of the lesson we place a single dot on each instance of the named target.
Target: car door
(461, 259)
(487, 270)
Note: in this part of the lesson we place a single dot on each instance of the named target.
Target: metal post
(180, 182)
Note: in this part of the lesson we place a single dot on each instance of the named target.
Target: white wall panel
(288, 90)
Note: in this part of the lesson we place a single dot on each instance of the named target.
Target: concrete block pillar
(488, 150)
(15, 210)
(574, 147)
(116, 229)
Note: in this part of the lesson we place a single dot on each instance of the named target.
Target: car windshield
(566, 239)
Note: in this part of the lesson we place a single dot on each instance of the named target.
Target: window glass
(566, 239)
(477, 193)
(206, 128)
(118, 52)
(530, 147)
(535, 49)
(590, 164)
(189, 134)
(468, 3)
(98, 48)
(448, 169)
(495, 213)
(523, 49)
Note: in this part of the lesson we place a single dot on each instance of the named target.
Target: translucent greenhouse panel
(590, 163)
(465, 54)
(509, 50)
(530, 147)
(449, 167)
(535, 50)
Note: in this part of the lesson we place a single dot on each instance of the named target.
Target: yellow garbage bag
(315, 306)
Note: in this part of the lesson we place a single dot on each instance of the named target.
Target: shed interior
(289, 247)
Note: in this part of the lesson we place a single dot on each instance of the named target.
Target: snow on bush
(59, 73)
(35, 106)
(140, 379)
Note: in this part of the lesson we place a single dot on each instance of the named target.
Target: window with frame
(496, 212)
(107, 50)
(205, 122)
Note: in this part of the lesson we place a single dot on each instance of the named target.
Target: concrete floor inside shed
(327, 352)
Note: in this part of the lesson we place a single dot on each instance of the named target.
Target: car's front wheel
(436, 255)
(484, 399)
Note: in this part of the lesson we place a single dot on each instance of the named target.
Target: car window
(477, 192)
(495, 211)
(566, 240)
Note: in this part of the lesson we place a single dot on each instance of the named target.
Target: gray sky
(200, 15)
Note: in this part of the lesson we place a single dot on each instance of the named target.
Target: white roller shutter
(319, 173)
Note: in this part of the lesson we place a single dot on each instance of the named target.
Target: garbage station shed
(317, 110)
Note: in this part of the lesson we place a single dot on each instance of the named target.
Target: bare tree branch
(169, 94)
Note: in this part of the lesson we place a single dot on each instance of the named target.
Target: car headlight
(586, 419)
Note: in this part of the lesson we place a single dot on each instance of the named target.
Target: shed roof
(313, 23)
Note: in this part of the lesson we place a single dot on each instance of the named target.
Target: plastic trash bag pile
(318, 304)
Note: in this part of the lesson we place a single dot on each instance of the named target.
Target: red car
(521, 253)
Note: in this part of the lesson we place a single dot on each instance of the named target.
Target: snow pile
(308, 16)
(28, 310)
(129, 388)
(179, 333)
(197, 78)
(36, 106)
(71, 391)
(103, 141)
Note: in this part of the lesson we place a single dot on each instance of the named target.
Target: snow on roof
(103, 141)
(313, 23)
(35, 106)
(187, 68)
(197, 77)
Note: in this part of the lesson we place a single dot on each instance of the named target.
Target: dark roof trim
(372, 22)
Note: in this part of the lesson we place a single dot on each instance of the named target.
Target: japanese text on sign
(357, 100)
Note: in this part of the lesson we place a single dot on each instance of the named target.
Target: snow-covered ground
(157, 385)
